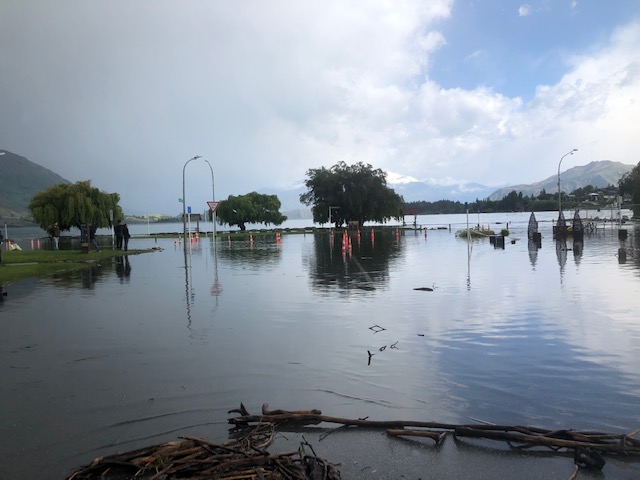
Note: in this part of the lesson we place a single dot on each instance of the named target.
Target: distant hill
(20, 180)
(432, 192)
(600, 174)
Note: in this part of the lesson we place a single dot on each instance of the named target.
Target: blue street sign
(189, 209)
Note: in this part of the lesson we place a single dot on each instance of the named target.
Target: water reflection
(533, 247)
(561, 254)
(190, 295)
(298, 318)
(578, 246)
(262, 252)
(123, 268)
(216, 286)
(365, 266)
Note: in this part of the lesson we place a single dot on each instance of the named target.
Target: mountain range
(599, 174)
(20, 179)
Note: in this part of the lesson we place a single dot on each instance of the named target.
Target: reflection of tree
(366, 268)
(264, 252)
(634, 248)
(628, 249)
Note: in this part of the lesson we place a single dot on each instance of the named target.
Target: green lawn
(19, 264)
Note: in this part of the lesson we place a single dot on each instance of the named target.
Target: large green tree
(250, 208)
(75, 204)
(351, 193)
(629, 184)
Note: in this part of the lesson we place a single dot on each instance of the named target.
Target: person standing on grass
(117, 230)
(125, 235)
(54, 235)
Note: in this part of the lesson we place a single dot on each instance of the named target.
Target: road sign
(189, 209)
(213, 205)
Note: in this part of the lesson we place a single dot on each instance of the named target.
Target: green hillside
(20, 179)
(598, 174)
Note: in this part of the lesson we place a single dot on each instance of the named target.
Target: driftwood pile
(198, 459)
(588, 448)
(246, 458)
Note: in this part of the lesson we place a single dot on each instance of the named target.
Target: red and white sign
(213, 205)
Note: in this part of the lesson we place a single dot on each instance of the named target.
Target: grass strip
(20, 264)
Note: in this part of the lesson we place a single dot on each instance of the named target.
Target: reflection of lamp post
(213, 199)
(184, 201)
(559, 192)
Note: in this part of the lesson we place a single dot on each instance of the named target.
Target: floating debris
(198, 459)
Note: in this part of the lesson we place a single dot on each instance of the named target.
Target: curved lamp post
(560, 193)
(213, 199)
(184, 202)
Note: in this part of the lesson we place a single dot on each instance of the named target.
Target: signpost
(213, 206)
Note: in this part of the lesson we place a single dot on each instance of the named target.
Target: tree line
(512, 202)
(338, 195)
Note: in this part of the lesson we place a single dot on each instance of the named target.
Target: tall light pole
(184, 201)
(560, 193)
(213, 199)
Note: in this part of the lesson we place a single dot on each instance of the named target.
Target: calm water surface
(142, 350)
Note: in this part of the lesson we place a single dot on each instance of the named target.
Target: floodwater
(141, 350)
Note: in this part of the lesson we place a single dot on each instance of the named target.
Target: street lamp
(184, 201)
(560, 193)
(213, 199)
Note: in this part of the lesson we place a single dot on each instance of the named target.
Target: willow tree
(75, 204)
(250, 208)
(351, 193)
(629, 184)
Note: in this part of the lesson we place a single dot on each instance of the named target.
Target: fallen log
(546, 441)
(565, 439)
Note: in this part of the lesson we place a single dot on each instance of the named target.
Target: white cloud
(524, 10)
(126, 95)
(476, 54)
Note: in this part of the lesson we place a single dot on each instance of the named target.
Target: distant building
(594, 197)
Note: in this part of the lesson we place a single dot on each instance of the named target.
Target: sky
(125, 93)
